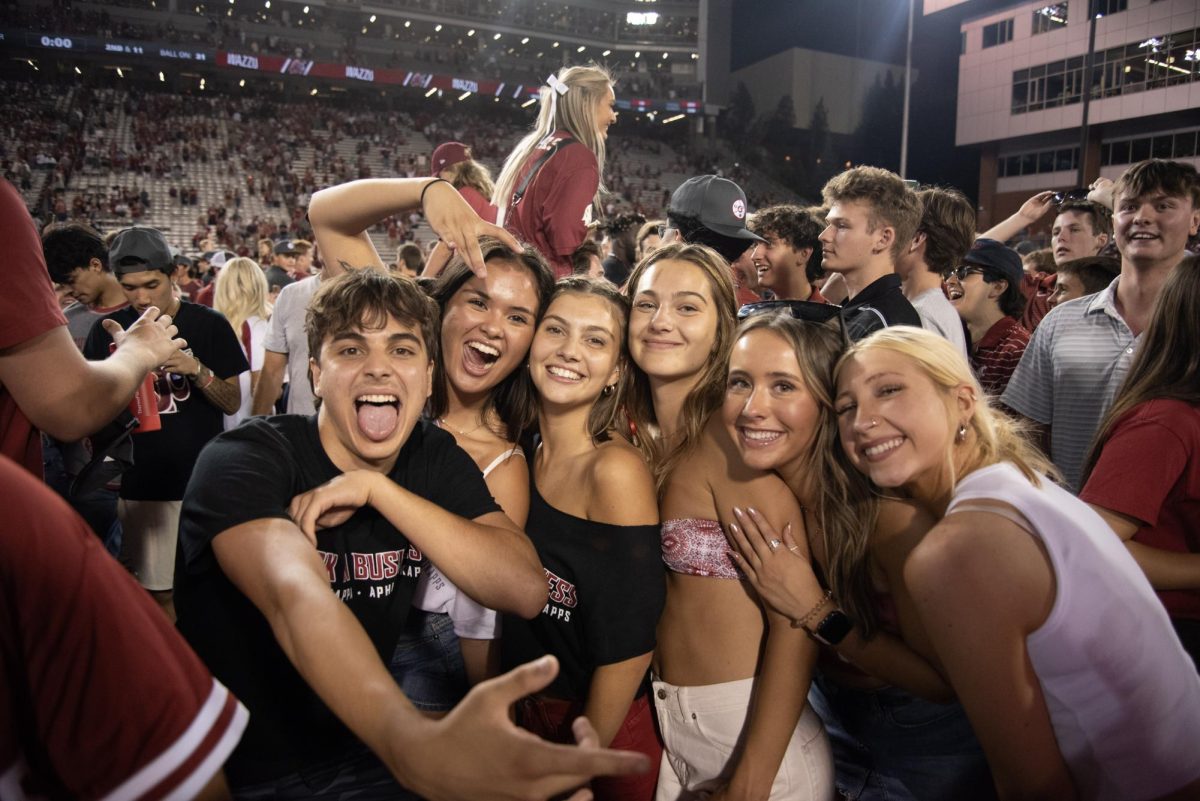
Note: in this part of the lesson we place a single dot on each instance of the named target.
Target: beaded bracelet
(803, 622)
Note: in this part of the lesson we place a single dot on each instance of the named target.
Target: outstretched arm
(474, 753)
(67, 396)
(341, 215)
(1030, 212)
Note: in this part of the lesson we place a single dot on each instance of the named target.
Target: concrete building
(1021, 86)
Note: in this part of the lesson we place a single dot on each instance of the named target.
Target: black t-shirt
(607, 589)
(163, 459)
(278, 278)
(251, 473)
(880, 304)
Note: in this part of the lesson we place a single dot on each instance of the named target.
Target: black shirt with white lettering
(607, 589)
(252, 473)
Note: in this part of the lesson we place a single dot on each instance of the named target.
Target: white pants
(149, 532)
(703, 730)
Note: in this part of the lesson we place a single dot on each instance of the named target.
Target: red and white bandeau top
(697, 547)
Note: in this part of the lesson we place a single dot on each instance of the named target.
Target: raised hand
(459, 227)
(154, 334)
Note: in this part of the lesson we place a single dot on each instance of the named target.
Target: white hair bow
(557, 88)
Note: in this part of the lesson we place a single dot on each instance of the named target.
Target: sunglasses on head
(1078, 195)
(804, 310)
(960, 273)
(800, 309)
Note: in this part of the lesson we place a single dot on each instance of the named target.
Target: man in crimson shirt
(99, 696)
(45, 383)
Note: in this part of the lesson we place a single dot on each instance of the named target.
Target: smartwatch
(832, 629)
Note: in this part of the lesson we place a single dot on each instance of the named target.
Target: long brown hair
(512, 399)
(473, 174)
(1167, 364)
(709, 392)
(602, 419)
(843, 502)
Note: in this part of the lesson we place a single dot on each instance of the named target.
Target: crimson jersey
(99, 696)
(28, 309)
(554, 213)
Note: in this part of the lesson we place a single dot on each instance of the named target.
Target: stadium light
(554, 45)
(526, 104)
(496, 36)
(306, 9)
(373, 18)
(267, 4)
(162, 78)
(119, 73)
(464, 95)
(408, 23)
(471, 32)
(525, 40)
(665, 55)
(580, 49)
(242, 82)
(676, 118)
(431, 92)
(637, 54)
(30, 63)
(314, 91)
(438, 28)
(606, 52)
(78, 71)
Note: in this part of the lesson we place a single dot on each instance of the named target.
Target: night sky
(876, 30)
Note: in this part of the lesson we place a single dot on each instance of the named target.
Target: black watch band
(833, 628)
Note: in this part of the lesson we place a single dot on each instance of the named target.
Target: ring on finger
(774, 544)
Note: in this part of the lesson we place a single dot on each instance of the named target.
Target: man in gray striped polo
(1082, 349)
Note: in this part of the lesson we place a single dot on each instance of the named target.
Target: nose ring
(873, 423)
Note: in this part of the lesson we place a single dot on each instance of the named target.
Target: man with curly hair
(789, 258)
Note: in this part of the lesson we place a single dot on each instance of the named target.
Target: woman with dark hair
(731, 677)
(594, 520)
(480, 396)
(551, 181)
(1152, 432)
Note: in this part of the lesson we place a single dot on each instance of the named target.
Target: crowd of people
(798, 502)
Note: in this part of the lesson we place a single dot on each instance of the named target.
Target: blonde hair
(241, 292)
(997, 437)
(473, 174)
(574, 111)
(709, 392)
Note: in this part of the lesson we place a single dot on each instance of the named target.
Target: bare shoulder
(622, 488)
(980, 557)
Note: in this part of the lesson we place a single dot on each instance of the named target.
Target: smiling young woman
(1052, 638)
(594, 521)
(720, 651)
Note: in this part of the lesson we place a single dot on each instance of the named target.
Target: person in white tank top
(1052, 638)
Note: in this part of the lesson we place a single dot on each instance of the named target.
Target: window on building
(1105, 8)
(1135, 67)
(997, 33)
(1185, 145)
(1176, 145)
(1050, 18)
(1043, 161)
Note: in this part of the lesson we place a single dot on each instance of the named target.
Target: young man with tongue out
(301, 630)
(1082, 349)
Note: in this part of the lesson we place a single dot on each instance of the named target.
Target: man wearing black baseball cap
(986, 292)
(709, 210)
(195, 388)
(279, 274)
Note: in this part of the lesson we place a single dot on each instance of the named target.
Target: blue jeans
(889, 745)
(428, 663)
